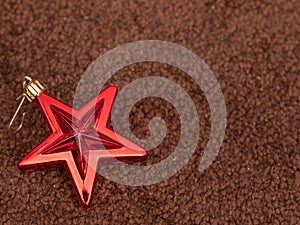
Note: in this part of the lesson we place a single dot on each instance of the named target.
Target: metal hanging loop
(31, 89)
(16, 113)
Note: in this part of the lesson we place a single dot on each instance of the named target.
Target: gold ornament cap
(32, 88)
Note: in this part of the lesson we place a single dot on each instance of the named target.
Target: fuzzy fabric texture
(253, 49)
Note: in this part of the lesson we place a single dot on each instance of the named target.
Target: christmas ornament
(79, 139)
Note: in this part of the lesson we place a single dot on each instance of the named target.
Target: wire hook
(16, 113)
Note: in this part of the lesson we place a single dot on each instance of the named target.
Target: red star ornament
(79, 140)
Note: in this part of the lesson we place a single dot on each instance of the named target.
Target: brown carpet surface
(253, 49)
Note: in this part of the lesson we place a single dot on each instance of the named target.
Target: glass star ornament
(79, 139)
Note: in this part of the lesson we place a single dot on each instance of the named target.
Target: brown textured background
(253, 49)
